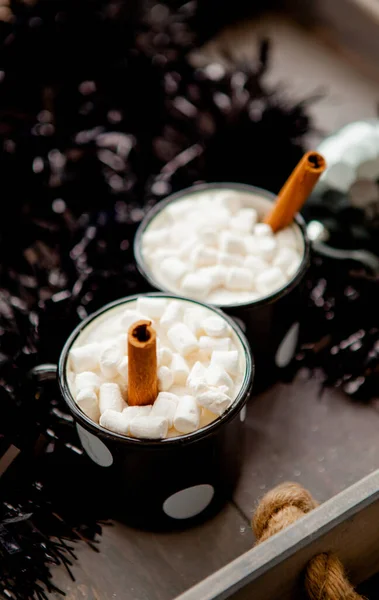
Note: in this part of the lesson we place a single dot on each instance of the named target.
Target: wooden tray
(327, 443)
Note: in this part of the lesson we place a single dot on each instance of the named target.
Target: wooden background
(326, 442)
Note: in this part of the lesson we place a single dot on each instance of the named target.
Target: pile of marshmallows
(200, 369)
(211, 247)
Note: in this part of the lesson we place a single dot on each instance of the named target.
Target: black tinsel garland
(101, 114)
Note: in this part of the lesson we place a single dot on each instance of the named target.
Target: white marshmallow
(270, 280)
(152, 307)
(202, 256)
(86, 399)
(208, 235)
(187, 415)
(110, 358)
(214, 400)
(285, 257)
(216, 274)
(193, 318)
(165, 378)
(223, 297)
(115, 421)
(179, 368)
(164, 356)
(244, 220)
(230, 260)
(185, 248)
(110, 397)
(226, 360)
(229, 200)
(131, 412)
(151, 427)
(239, 278)
(215, 326)
(182, 338)
(217, 376)
(255, 264)
(196, 380)
(85, 358)
(231, 243)
(179, 208)
(130, 317)
(165, 406)
(251, 244)
(122, 368)
(262, 230)
(219, 218)
(293, 267)
(195, 285)
(87, 379)
(208, 344)
(173, 313)
(173, 269)
(286, 238)
(153, 238)
(266, 247)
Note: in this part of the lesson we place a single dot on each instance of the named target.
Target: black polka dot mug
(271, 323)
(172, 482)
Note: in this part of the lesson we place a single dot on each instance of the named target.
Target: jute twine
(325, 578)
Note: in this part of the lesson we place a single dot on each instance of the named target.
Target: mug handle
(44, 372)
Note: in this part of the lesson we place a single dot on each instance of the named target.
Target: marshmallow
(87, 379)
(270, 281)
(85, 358)
(239, 278)
(217, 376)
(172, 314)
(230, 260)
(202, 255)
(251, 244)
(208, 344)
(110, 397)
(229, 200)
(196, 285)
(285, 257)
(86, 399)
(215, 326)
(208, 235)
(226, 360)
(187, 415)
(286, 238)
(220, 218)
(266, 247)
(164, 356)
(293, 267)
(231, 243)
(165, 378)
(185, 248)
(179, 368)
(196, 380)
(153, 307)
(244, 220)
(165, 406)
(255, 264)
(214, 400)
(151, 427)
(262, 230)
(131, 412)
(153, 238)
(216, 274)
(173, 269)
(110, 358)
(178, 209)
(122, 368)
(182, 338)
(115, 421)
(130, 317)
(193, 318)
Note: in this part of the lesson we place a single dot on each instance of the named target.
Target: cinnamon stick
(142, 364)
(296, 190)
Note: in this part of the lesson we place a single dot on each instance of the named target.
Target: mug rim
(161, 204)
(237, 405)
